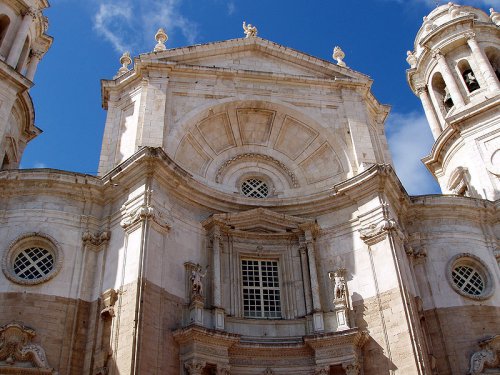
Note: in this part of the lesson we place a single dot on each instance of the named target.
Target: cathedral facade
(246, 217)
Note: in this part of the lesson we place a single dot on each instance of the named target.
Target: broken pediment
(257, 55)
(260, 221)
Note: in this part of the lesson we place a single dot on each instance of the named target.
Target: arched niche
(220, 143)
(469, 77)
(4, 26)
(493, 55)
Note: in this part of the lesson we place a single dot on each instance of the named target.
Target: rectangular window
(261, 289)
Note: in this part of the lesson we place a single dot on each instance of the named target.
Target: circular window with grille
(255, 188)
(32, 259)
(470, 277)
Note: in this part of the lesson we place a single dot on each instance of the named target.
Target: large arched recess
(219, 143)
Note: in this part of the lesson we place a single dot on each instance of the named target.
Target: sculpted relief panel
(255, 136)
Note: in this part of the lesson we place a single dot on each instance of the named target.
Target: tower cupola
(23, 42)
(454, 70)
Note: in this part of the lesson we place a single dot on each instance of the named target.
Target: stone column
(483, 63)
(449, 79)
(318, 323)
(22, 33)
(306, 278)
(216, 282)
(36, 56)
(429, 111)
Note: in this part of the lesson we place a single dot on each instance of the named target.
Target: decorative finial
(161, 37)
(125, 60)
(454, 10)
(339, 55)
(495, 17)
(249, 30)
(411, 59)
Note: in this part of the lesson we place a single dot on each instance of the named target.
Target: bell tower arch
(23, 42)
(454, 70)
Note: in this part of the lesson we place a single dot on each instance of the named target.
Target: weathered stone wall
(60, 325)
(455, 331)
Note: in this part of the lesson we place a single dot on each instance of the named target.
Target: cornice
(181, 184)
(195, 333)
(354, 336)
(452, 133)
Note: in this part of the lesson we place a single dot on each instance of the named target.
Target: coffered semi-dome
(228, 143)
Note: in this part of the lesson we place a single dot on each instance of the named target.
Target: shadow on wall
(375, 357)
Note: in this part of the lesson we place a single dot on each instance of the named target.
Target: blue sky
(89, 37)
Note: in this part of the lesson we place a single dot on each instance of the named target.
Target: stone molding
(96, 239)
(374, 233)
(487, 357)
(145, 212)
(24, 241)
(254, 156)
(16, 347)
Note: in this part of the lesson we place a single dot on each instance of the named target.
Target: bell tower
(455, 71)
(23, 42)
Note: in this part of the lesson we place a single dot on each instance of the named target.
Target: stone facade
(246, 219)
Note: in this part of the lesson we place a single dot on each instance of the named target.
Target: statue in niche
(250, 30)
(338, 278)
(470, 80)
(196, 278)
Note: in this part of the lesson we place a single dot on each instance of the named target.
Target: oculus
(32, 259)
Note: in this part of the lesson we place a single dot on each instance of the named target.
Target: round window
(468, 280)
(254, 188)
(32, 259)
(33, 263)
(470, 277)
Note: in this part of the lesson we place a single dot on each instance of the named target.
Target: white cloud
(39, 165)
(410, 139)
(131, 25)
(231, 8)
(108, 21)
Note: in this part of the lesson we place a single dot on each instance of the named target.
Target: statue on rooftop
(250, 31)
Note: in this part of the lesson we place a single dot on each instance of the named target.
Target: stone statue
(411, 59)
(339, 55)
(161, 37)
(495, 17)
(196, 278)
(250, 31)
(339, 281)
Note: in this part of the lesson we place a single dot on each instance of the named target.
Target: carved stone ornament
(322, 371)
(194, 367)
(145, 212)
(161, 37)
(411, 59)
(223, 370)
(495, 17)
(17, 350)
(249, 30)
(109, 298)
(253, 156)
(351, 368)
(125, 60)
(339, 55)
(487, 357)
(96, 239)
(373, 231)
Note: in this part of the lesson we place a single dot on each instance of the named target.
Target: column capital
(194, 367)
(470, 35)
(437, 54)
(421, 89)
(31, 12)
(351, 368)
